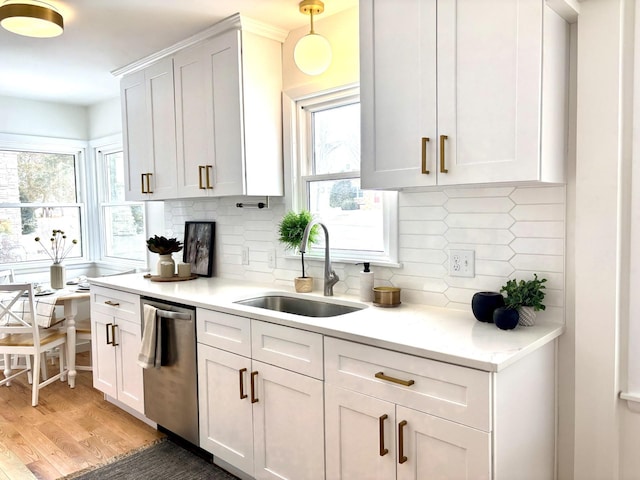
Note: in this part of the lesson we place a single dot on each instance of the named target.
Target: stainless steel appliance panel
(171, 391)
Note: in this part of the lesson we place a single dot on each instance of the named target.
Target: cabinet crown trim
(235, 21)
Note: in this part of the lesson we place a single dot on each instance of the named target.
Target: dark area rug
(164, 460)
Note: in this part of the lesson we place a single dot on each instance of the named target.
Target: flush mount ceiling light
(31, 18)
(312, 53)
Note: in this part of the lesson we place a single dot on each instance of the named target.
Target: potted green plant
(291, 229)
(526, 297)
(164, 247)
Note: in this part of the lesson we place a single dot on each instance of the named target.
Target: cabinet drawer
(221, 330)
(116, 303)
(290, 348)
(448, 391)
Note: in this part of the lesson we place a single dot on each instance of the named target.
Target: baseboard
(130, 411)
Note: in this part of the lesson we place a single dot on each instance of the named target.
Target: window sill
(378, 262)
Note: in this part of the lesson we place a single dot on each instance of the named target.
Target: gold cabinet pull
(200, 170)
(254, 399)
(242, 394)
(401, 457)
(442, 162)
(107, 328)
(406, 383)
(383, 451)
(112, 304)
(149, 175)
(209, 170)
(142, 175)
(424, 155)
(113, 335)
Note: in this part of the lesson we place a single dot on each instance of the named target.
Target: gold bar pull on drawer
(406, 383)
(112, 303)
(424, 155)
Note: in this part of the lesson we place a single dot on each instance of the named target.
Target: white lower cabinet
(369, 438)
(116, 336)
(264, 420)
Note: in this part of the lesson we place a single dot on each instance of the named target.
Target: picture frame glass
(199, 247)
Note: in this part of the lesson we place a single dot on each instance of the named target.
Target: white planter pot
(527, 316)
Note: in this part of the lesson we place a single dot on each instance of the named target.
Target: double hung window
(361, 223)
(38, 194)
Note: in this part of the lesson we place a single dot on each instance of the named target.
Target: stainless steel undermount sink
(299, 306)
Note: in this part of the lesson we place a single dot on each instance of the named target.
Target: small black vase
(484, 303)
(506, 318)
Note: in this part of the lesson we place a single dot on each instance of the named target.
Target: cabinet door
(489, 89)
(439, 449)
(360, 434)
(162, 123)
(194, 140)
(103, 358)
(398, 92)
(225, 406)
(135, 134)
(224, 105)
(288, 425)
(128, 338)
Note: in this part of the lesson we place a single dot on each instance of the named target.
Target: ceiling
(103, 35)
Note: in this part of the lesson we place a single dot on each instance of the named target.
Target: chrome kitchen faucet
(330, 277)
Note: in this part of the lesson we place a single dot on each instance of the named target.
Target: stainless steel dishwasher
(171, 391)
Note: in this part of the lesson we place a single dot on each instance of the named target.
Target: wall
(46, 119)
(105, 119)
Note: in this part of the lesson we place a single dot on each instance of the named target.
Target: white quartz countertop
(448, 335)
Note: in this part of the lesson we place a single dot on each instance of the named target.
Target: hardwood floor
(70, 430)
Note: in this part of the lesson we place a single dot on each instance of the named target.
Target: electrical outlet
(271, 258)
(245, 255)
(462, 263)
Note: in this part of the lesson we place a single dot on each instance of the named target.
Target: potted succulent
(291, 230)
(526, 297)
(164, 247)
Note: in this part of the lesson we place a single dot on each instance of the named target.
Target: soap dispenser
(366, 284)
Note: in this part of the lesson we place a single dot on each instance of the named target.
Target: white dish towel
(150, 353)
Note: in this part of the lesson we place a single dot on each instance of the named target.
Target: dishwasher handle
(172, 315)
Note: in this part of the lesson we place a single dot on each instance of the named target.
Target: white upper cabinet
(149, 132)
(456, 92)
(225, 120)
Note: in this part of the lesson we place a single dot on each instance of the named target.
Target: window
(122, 222)
(38, 194)
(361, 223)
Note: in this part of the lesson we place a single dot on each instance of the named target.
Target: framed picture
(198, 247)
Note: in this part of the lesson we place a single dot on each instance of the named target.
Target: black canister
(484, 303)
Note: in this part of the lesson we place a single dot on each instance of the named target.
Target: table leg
(70, 312)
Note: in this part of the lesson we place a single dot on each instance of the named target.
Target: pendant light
(31, 18)
(312, 53)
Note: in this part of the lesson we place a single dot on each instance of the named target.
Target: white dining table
(70, 300)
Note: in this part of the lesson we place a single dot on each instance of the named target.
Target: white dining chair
(21, 335)
(7, 276)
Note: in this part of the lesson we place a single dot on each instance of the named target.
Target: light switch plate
(462, 263)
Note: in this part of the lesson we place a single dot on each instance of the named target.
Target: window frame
(100, 148)
(24, 143)
(296, 111)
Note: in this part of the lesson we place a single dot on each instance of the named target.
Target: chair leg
(63, 358)
(36, 380)
(43, 367)
(27, 362)
(7, 367)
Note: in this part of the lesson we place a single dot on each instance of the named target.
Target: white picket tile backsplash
(514, 231)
